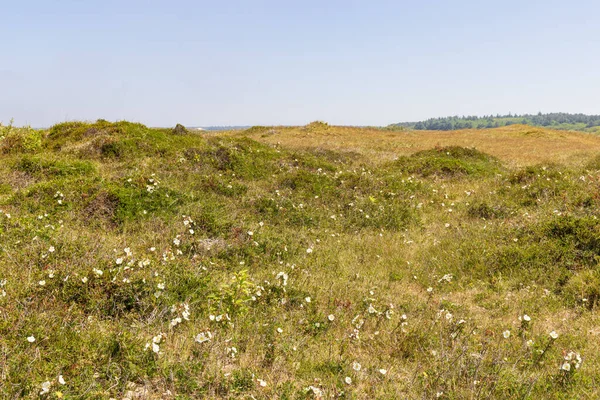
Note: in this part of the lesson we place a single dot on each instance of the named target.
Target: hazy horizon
(271, 63)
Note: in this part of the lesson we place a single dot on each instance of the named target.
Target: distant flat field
(518, 145)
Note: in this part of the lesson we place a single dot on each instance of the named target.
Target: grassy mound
(447, 162)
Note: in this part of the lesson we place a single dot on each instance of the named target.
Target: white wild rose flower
(231, 351)
(283, 277)
(46, 387)
(317, 392)
(203, 337)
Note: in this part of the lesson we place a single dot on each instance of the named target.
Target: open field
(515, 145)
(297, 263)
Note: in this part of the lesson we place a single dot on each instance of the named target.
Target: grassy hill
(298, 262)
(517, 145)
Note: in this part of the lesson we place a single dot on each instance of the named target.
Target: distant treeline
(581, 122)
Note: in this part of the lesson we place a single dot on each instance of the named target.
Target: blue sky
(291, 62)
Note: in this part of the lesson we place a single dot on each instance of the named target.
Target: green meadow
(140, 263)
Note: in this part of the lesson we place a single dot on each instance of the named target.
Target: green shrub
(20, 140)
(583, 288)
(51, 168)
(449, 162)
(484, 210)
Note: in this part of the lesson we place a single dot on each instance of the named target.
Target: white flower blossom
(46, 387)
(202, 337)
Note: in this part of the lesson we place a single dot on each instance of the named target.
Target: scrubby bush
(449, 162)
(19, 140)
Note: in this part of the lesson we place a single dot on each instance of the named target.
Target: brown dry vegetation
(517, 145)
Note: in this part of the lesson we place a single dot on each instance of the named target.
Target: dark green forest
(579, 122)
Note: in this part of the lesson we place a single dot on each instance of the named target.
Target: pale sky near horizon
(291, 62)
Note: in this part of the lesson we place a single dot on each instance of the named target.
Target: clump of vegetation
(317, 126)
(449, 162)
(135, 263)
(180, 130)
(19, 140)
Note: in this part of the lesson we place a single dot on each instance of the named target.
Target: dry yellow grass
(516, 145)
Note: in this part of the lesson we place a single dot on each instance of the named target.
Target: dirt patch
(102, 208)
